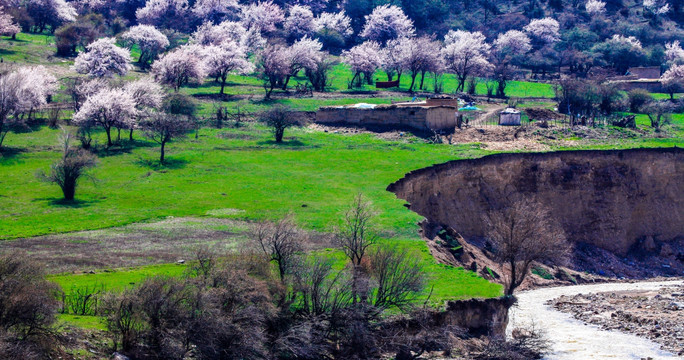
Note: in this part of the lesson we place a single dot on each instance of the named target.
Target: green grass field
(241, 173)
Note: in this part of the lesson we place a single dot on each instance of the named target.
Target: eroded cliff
(613, 199)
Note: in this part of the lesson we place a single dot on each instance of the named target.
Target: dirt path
(573, 339)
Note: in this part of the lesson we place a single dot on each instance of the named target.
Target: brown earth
(624, 208)
(137, 244)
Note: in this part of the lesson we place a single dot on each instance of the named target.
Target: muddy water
(572, 339)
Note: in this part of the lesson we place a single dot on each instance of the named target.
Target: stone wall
(421, 118)
(609, 199)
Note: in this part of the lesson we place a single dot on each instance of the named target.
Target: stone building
(417, 115)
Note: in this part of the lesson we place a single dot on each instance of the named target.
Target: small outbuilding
(510, 117)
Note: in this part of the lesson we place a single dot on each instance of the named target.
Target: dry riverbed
(656, 314)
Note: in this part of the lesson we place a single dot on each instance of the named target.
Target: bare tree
(278, 118)
(28, 304)
(322, 289)
(69, 168)
(522, 234)
(162, 128)
(355, 236)
(280, 242)
(398, 277)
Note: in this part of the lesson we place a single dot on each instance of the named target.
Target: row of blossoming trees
(260, 38)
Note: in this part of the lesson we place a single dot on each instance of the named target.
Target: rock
(181, 261)
(666, 250)
(118, 356)
(648, 244)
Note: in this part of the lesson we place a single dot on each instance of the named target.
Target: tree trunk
(279, 135)
(108, 130)
(130, 135)
(422, 79)
(223, 84)
(413, 80)
(161, 156)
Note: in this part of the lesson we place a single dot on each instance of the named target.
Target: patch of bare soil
(656, 315)
(139, 244)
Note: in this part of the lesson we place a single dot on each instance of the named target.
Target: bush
(637, 99)
(28, 304)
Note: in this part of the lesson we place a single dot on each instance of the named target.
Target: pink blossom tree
(21, 92)
(107, 108)
(465, 53)
(180, 66)
(150, 41)
(299, 22)
(263, 16)
(394, 57)
(216, 10)
(363, 59)
(7, 25)
(544, 31)
(387, 22)
(103, 59)
(229, 57)
(673, 80)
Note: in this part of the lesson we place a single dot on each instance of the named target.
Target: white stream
(573, 339)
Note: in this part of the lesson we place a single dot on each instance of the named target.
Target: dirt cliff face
(609, 199)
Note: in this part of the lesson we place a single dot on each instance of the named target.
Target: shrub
(637, 99)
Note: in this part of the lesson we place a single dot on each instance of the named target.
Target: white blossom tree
(21, 92)
(302, 55)
(363, 59)
(673, 80)
(300, 22)
(49, 13)
(210, 34)
(229, 57)
(387, 22)
(338, 22)
(7, 25)
(148, 95)
(108, 108)
(508, 47)
(674, 53)
(103, 59)
(656, 8)
(150, 41)
(595, 7)
(216, 10)
(546, 30)
(180, 66)
(164, 13)
(465, 53)
(273, 67)
(394, 58)
(264, 16)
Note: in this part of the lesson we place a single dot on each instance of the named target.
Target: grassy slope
(321, 171)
